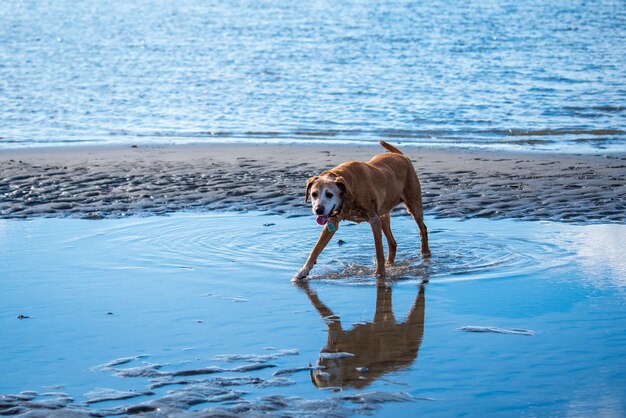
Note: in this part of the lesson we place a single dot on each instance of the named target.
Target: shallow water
(196, 311)
(524, 75)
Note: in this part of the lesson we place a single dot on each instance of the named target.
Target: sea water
(516, 318)
(530, 75)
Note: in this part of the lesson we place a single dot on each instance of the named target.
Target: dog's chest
(357, 215)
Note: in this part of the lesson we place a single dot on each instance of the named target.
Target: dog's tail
(390, 147)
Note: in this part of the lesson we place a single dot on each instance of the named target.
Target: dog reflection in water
(379, 347)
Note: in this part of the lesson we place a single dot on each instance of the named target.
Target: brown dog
(358, 192)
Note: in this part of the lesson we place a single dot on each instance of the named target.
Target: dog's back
(393, 161)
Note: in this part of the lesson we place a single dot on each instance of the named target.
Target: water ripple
(194, 242)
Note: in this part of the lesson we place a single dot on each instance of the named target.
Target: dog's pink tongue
(321, 220)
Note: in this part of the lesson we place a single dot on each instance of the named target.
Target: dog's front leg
(376, 224)
(322, 242)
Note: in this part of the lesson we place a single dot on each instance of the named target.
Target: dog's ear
(309, 183)
(341, 183)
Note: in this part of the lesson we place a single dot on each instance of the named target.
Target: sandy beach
(103, 182)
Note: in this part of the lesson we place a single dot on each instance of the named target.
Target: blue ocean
(530, 75)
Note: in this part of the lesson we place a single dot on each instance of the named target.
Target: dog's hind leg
(391, 242)
(413, 203)
(418, 215)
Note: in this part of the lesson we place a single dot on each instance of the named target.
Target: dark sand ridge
(96, 182)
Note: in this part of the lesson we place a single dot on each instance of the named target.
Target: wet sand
(102, 182)
(194, 315)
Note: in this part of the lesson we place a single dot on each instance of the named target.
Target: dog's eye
(329, 195)
(314, 195)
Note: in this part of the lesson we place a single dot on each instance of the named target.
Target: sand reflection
(357, 356)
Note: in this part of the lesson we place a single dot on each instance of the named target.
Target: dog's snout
(319, 210)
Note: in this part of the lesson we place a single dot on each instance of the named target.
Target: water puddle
(195, 314)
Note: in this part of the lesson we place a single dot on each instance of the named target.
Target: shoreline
(107, 181)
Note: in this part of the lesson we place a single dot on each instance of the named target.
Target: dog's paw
(301, 274)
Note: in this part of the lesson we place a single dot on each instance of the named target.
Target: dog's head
(341, 372)
(327, 196)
